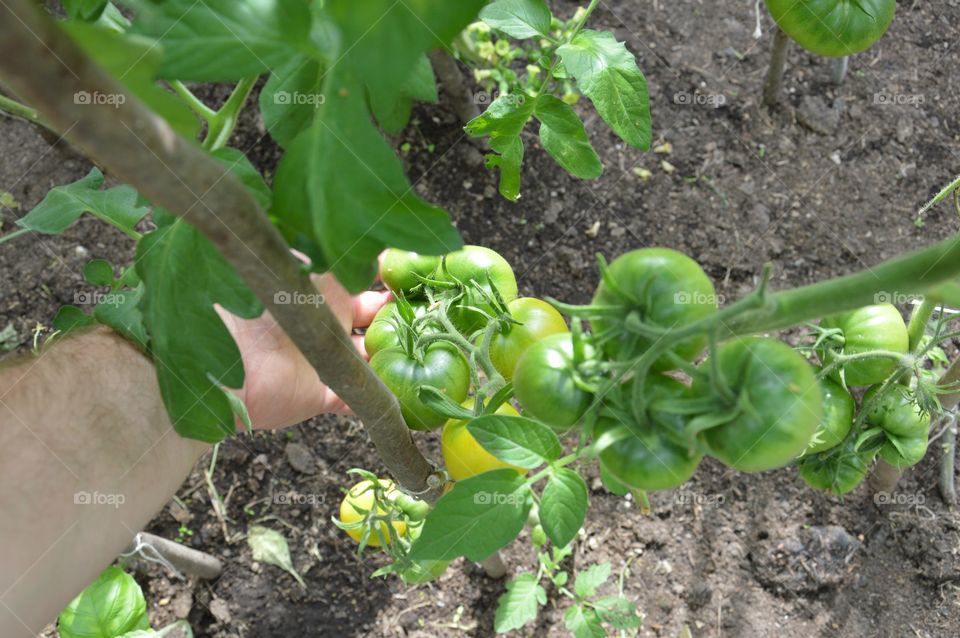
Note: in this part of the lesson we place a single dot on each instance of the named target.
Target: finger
(366, 305)
(380, 265)
(359, 345)
(336, 298)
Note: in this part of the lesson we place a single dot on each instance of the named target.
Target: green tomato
(382, 334)
(837, 471)
(878, 327)
(648, 459)
(833, 28)
(664, 288)
(781, 399)
(896, 412)
(902, 452)
(838, 409)
(543, 383)
(442, 366)
(484, 266)
(399, 268)
(537, 319)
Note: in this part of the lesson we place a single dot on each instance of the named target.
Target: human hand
(281, 388)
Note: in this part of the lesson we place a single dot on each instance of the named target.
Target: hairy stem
(45, 67)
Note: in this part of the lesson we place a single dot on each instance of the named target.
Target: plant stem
(884, 477)
(918, 321)
(13, 107)
(948, 489)
(14, 234)
(908, 274)
(773, 85)
(187, 560)
(141, 149)
(494, 566)
(838, 69)
(225, 120)
(192, 101)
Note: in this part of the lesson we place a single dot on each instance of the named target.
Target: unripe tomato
(463, 455)
(537, 319)
(664, 288)
(783, 404)
(878, 327)
(838, 409)
(897, 412)
(543, 383)
(424, 571)
(837, 471)
(485, 266)
(382, 334)
(648, 459)
(357, 502)
(910, 452)
(399, 267)
(442, 366)
(833, 28)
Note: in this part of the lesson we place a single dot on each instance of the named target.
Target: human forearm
(87, 457)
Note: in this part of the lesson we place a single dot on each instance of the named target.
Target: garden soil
(826, 184)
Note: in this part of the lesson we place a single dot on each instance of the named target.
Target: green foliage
(516, 440)
(182, 270)
(64, 205)
(563, 506)
(111, 606)
(520, 604)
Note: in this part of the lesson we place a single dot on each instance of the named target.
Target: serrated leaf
(590, 579)
(393, 114)
(63, 205)
(518, 18)
(516, 440)
(383, 39)
(477, 517)
(98, 272)
(135, 61)
(269, 546)
(239, 164)
(583, 622)
(182, 270)
(502, 122)
(520, 604)
(619, 612)
(111, 606)
(343, 184)
(563, 506)
(563, 136)
(219, 40)
(607, 73)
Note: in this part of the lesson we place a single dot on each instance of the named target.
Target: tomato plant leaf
(70, 318)
(290, 98)
(120, 310)
(351, 184)
(518, 18)
(618, 611)
(383, 39)
(269, 546)
(583, 622)
(477, 517)
(563, 506)
(502, 122)
(88, 10)
(589, 580)
(134, 61)
(182, 270)
(64, 205)
(219, 40)
(111, 606)
(179, 629)
(607, 73)
(564, 138)
(516, 440)
(240, 165)
(520, 604)
(393, 114)
(99, 272)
